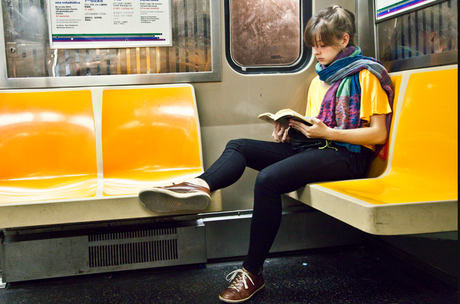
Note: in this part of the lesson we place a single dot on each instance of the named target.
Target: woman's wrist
(331, 134)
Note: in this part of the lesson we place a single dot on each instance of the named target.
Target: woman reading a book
(349, 101)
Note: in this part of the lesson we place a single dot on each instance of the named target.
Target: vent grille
(131, 234)
(133, 253)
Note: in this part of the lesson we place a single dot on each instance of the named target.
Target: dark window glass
(427, 31)
(266, 35)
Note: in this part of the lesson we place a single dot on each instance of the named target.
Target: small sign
(388, 8)
(87, 24)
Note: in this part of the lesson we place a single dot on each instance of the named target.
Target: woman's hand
(280, 133)
(317, 130)
(374, 134)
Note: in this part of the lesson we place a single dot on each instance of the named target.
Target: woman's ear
(345, 40)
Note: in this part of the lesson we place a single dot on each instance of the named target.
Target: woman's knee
(236, 144)
(267, 182)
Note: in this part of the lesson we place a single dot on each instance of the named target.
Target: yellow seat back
(149, 135)
(47, 144)
(426, 143)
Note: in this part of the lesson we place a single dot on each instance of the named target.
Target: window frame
(215, 74)
(299, 64)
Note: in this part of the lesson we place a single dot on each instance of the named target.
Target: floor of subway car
(356, 274)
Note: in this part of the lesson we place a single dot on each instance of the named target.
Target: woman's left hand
(374, 134)
(317, 130)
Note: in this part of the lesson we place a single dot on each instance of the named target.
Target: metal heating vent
(132, 253)
(132, 247)
(131, 234)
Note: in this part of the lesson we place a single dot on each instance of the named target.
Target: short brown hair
(330, 25)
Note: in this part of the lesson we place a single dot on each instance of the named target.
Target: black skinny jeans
(282, 170)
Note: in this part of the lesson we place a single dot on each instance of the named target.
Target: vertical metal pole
(365, 16)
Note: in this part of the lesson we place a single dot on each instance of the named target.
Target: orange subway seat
(418, 192)
(149, 137)
(424, 164)
(379, 165)
(47, 146)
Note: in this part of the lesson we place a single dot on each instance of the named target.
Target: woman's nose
(315, 51)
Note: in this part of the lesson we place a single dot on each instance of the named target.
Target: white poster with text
(109, 23)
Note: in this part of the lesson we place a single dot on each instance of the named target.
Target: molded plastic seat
(150, 137)
(424, 162)
(419, 191)
(47, 146)
(82, 155)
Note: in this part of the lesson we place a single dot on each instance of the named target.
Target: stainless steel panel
(227, 235)
(418, 62)
(48, 258)
(34, 254)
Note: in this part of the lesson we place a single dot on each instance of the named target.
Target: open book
(283, 117)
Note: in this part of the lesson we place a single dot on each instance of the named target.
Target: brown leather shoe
(183, 196)
(243, 287)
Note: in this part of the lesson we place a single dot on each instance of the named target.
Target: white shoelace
(237, 282)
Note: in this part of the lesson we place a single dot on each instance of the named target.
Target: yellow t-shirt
(374, 99)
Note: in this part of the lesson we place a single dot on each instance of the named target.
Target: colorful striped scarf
(340, 108)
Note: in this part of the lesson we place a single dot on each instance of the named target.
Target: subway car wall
(230, 91)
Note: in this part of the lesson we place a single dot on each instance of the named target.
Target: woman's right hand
(280, 133)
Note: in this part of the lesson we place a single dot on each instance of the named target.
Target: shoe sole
(242, 300)
(161, 200)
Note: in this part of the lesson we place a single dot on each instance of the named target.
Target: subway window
(425, 37)
(191, 55)
(266, 36)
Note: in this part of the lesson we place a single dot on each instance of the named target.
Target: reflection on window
(28, 53)
(265, 32)
(427, 31)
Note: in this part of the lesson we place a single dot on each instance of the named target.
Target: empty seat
(150, 136)
(47, 146)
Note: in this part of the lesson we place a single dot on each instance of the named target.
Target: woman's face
(327, 53)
